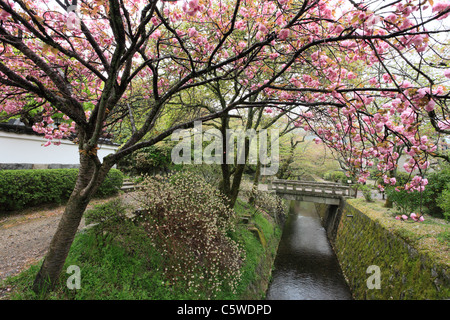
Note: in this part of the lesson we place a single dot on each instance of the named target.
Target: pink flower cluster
(441, 7)
(413, 216)
(192, 7)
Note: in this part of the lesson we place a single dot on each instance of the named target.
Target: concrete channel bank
(378, 264)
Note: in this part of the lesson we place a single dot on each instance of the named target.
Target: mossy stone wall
(406, 273)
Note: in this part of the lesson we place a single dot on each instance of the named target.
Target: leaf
(54, 50)
(45, 47)
(39, 19)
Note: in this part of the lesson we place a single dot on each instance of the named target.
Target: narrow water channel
(306, 267)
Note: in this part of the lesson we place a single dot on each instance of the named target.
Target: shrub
(405, 201)
(108, 213)
(23, 188)
(437, 184)
(367, 192)
(336, 176)
(188, 223)
(149, 159)
(430, 200)
(443, 202)
(269, 202)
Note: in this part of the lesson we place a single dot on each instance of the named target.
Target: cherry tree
(377, 89)
(78, 68)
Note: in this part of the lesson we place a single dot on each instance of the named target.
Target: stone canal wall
(379, 264)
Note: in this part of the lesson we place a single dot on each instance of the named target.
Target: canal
(306, 267)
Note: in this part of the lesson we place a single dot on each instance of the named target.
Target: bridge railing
(322, 188)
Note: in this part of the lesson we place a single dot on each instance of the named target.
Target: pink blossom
(240, 25)
(447, 73)
(338, 29)
(348, 44)
(387, 78)
(373, 20)
(283, 34)
(4, 15)
(418, 39)
(315, 55)
(430, 106)
(439, 7)
(404, 217)
(191, 8)
(259, 36)
(351, 75)
(156, 34)
(263, 28)
(192, 32)
(72, 20)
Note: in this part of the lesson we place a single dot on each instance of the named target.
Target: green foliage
(433, 200)
(145, 160)
(24, 188)
(109, 213)
(336, 176)
(443, 202)
(367, 192)
(405, 201)
(434, 196)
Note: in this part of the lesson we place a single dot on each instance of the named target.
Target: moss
(372, 237)
(260, 236)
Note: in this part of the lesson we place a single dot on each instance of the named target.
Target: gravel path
(25, 243)
(25, 236)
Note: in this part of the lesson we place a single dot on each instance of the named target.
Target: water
(306, 267)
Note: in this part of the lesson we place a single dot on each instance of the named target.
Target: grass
(119, 265)
(253, 248)
(117, 261)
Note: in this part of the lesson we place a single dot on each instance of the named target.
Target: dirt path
(25, 236)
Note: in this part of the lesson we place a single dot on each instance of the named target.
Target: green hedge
(24, 188)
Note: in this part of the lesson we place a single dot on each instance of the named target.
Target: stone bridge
(311, 191)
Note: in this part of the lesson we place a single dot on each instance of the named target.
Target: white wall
(29, 149)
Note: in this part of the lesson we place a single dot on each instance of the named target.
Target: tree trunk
(251, 200)
(60, 245)
(231, 188)
(237, 179)
(226, 174)
(388, 202)
(48, 275)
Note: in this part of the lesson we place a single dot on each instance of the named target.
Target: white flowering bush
(269, 202)
(188, 222)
